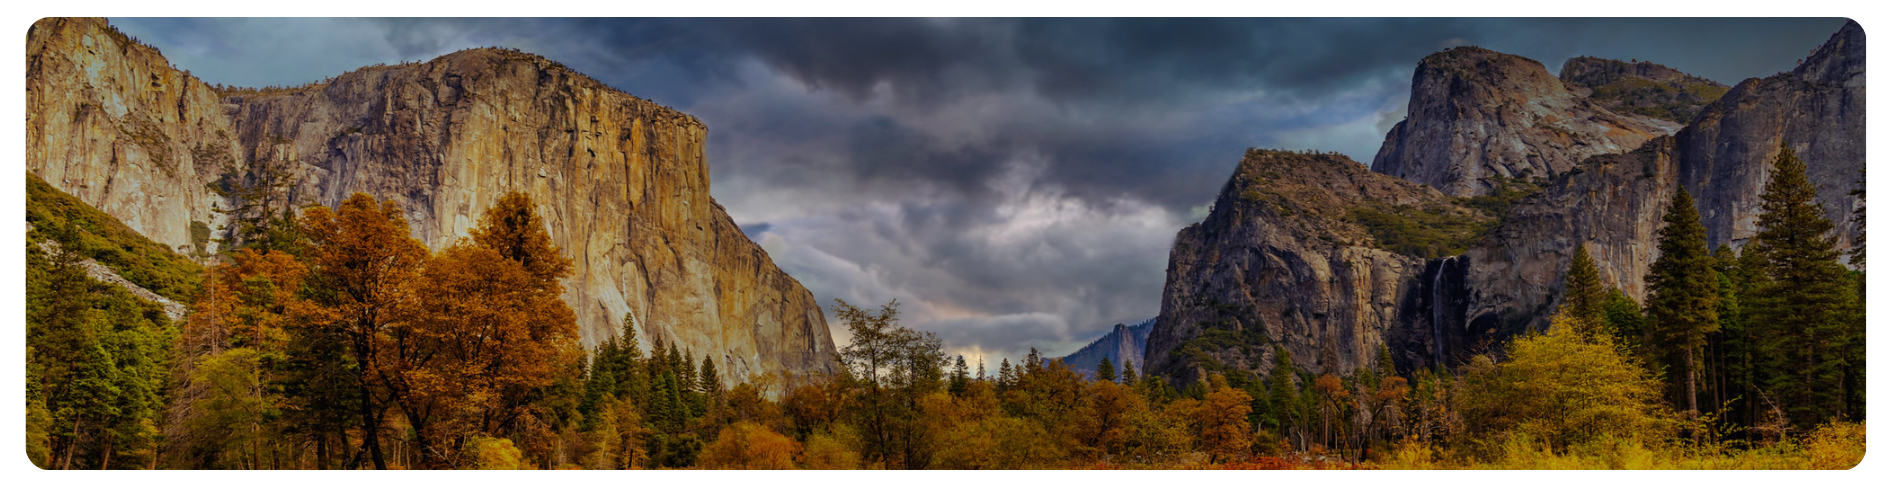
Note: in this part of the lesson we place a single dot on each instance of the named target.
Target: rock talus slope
(621, 182)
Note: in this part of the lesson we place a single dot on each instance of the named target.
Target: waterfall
(1438, 311)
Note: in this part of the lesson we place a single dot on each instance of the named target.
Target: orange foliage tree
(750, 446)
(361, 262)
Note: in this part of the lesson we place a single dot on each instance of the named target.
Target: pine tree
(1684, 293)
(982, 368)
(960, 376)
(1384, 366)
(1129, 376)
(1799, 309)
(1858, 257)
(1281, 393)
(1583, 293)
(708, 381)
(686, 373)
(263, 216)
(1006, 376)
(1106, 371)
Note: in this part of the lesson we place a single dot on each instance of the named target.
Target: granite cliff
(1614, 203)
(1293, 255)
(622, 182)
(1123, 345)
(1478, 118)
(1310, 251)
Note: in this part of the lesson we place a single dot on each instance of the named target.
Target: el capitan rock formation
(621, 182)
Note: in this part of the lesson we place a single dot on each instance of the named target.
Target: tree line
(329, 338)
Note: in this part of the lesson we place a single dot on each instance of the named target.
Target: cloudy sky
(1014, 183)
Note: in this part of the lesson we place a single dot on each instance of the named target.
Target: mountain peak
(1641, 87)
(1479, 118)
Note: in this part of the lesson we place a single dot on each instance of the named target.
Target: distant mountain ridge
(1124, 346)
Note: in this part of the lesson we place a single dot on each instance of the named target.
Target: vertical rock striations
(1294, 254)
(1818, 109)
(622, 182)
(1614, 203)
(1123, 345)
(1478, 118)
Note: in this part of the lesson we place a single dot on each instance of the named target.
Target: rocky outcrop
(1123, 346)
(1818, 109)
(1284, 258)
(622, 182)
(1641, 87)
(1478, 118)
(1614, 203)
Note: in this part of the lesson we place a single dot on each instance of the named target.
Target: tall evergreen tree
(960, 376)
(1129, 375)
(1281, 392)
(1583, 293)
(1684, 293)
(262, 215)
(1106, 371)
(708, 382)
(1858, 256)
(1800, 310)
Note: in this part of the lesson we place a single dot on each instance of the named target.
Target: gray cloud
(1015, 182)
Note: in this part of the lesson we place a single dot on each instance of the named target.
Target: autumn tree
(1564, 390)
(750, 446)
(233, 371)
(1223, 420)
(1684, 293)
(362, 264)
(895, 365)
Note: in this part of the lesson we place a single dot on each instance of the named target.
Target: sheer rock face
(1477, 117)
(1276, 261)
(1818, 110)
(621, 182)
(1614, 203)
(1123, 346)
(1303, 278)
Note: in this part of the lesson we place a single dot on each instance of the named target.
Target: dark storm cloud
(1015, 182)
